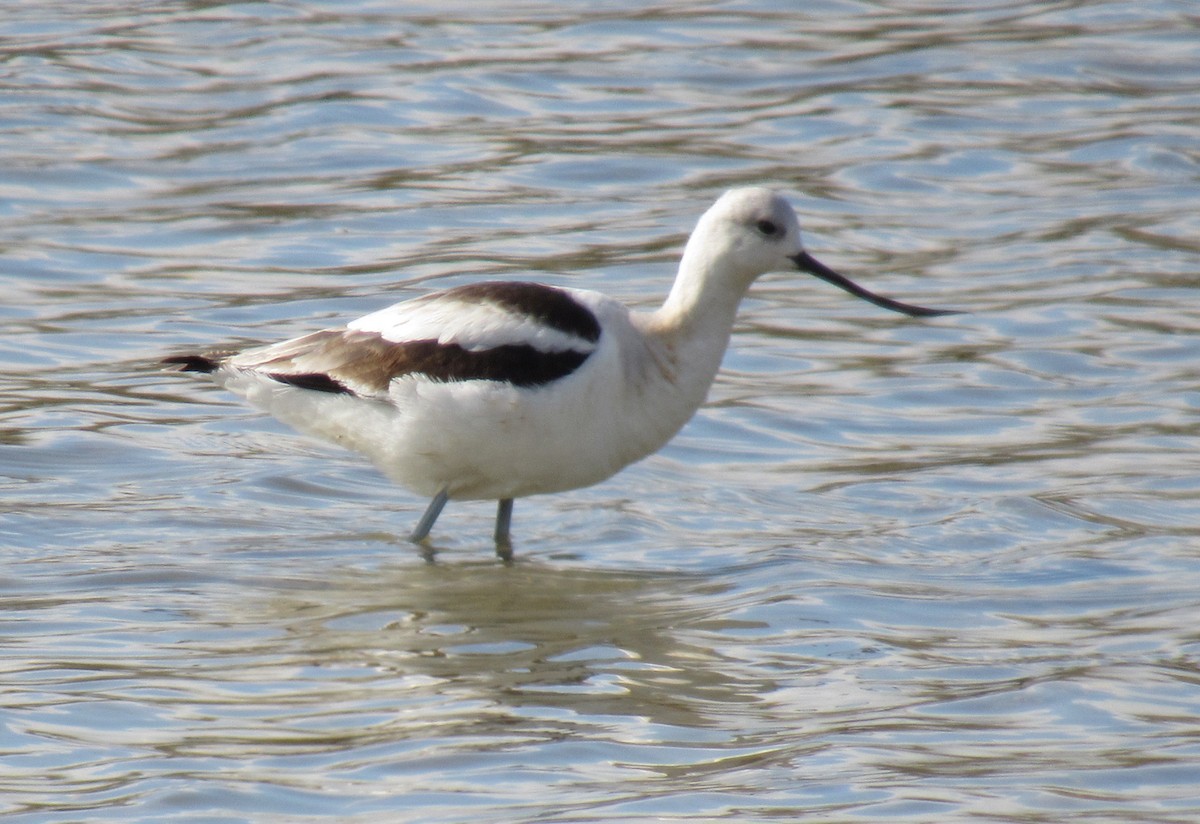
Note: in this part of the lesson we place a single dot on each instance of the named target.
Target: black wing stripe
(547, 305)
(519, 364)
(364, 362)
(316, 381)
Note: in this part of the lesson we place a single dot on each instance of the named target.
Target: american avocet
(499, 390)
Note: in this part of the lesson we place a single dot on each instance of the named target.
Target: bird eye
(767, 228)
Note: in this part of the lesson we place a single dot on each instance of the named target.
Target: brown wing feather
(365, 363)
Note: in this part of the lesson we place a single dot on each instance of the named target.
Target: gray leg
(503, 522)
(431, 514)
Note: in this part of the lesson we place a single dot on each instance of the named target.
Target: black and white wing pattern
(524, 334)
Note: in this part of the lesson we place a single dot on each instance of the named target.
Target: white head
(749, 232)
(746, 233)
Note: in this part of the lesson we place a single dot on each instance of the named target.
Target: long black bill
(807, 263)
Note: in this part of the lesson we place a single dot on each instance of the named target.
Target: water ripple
(927, 571)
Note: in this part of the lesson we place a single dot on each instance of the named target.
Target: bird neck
(682, 345)
(691, 329)
(703, 301)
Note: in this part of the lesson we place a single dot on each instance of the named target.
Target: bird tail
(190, 363)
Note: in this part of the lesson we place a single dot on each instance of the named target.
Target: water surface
(895, 569)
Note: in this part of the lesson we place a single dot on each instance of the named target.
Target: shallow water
(896, 569)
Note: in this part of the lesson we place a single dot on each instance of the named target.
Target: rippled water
(903, 570)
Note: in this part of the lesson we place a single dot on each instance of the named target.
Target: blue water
(894, 570)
